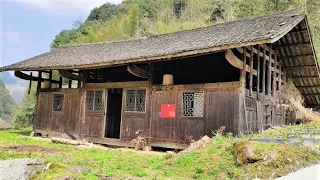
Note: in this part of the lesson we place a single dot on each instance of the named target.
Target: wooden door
(94, 113)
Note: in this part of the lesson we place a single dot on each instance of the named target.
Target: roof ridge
(289, 12)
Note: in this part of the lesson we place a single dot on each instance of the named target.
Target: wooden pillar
(30, 84)
(243, 70)
(150, 77)
(251, 70)
(50, 78)
(60, 82)
(264, 71)
(274, 82)
(79, 81)
(39, 81)
(269, 73)
(70, 83)
(280, 79)
(258, 72)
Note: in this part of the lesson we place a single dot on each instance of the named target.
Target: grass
(215, 161)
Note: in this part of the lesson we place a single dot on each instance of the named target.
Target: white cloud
(64, 6)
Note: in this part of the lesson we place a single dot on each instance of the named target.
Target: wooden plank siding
(66, 121)
(220, 109)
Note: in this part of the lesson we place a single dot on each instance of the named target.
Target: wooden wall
(221, 108)
(67, 121)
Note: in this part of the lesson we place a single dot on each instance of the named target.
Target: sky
(27, 27)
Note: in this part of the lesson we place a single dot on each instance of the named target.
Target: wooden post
(269, 73)
(70, 83)
(50, 78)
(79, 81)
(280, 78)
(30, 83)
(274, 82)
(39, 81)
(251, 70)
(243, 70)
(60, 82)
(258, 72)
(264, 71)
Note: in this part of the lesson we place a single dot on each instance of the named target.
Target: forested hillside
(6, 103)
(138, 18)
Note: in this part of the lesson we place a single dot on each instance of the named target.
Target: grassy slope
(213, 162)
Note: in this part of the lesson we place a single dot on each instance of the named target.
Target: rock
(268, 157)
(83, 147)
(21, 169)
(32, 134)
(244, 154)
(147, 148)
(170, 154)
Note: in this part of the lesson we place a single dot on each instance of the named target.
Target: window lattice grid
(192, 104)
(130, 100)
(58, 100)
(141, 100)
(89, 100)
(98, 100)
(136, 100)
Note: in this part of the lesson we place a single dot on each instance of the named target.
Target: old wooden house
(176, 87)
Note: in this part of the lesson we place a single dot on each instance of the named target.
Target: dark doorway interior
(113, 121)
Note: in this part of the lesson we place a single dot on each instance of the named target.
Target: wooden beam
(130, 84)
(280, 78)
(243, 70)
(298, 30)
(39, 81)
(258, 73)
(60, 82)
(297, 56)
(50, 77)
(269, 74)
(70, 83)
(251, 69)
(30, 83)
(290, 45)
(296, 68)
(69, 75)
(264, 71)
(257, 52)
(307, 87)
(24, 76)
(236, 62)
(261, 54)
(315, 94)
(304, 77)
(137, 71)
(274, 81)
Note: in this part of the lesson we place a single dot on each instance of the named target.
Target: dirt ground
(30, 148)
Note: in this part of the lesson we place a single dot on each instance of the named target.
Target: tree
(24, 115)
(103, 13)
(6, 103)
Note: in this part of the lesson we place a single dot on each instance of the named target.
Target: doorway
(113, 118)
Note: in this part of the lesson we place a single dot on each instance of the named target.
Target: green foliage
(24, 114)
(6, 103)
(104, 12)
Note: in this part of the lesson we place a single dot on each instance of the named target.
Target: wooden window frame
(125, 100)
(203, 108)
(53, 103)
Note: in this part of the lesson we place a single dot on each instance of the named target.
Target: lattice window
(192, 104)
(136, 100)
(58, 100)
(94, 101)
